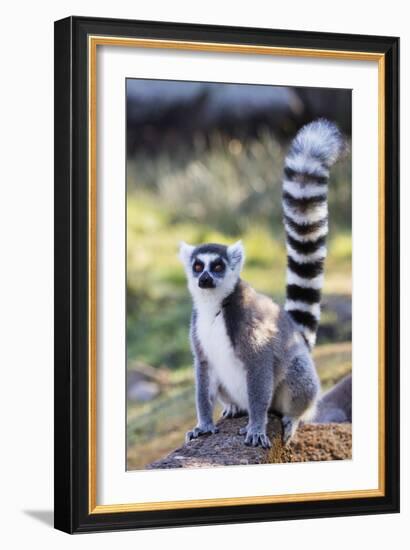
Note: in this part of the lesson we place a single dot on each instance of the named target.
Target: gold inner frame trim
(93, 42)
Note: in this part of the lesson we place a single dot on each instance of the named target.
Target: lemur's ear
(185, 251)
(236, 255)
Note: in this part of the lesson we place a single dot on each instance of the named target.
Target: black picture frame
(71, 485)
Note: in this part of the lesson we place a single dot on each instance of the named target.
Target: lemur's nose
(206, 281)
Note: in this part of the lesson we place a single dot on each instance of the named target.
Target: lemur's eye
(198, 267)
(218, 267)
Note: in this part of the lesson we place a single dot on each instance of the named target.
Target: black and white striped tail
(315, 148)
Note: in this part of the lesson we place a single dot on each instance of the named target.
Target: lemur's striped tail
(315, 148)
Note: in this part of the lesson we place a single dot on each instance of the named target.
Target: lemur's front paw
(232, 411)
(255, 437)
(201, 429)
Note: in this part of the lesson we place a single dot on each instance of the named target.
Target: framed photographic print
(226, 274)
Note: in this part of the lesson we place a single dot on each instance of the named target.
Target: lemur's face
(212, 267)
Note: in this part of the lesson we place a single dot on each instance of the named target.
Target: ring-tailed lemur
(250, 353)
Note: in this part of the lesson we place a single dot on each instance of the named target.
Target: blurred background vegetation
(204, 164)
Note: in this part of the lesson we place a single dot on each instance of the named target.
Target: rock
(142, 391)
(311, 442)
(140, 387)
(336, 404)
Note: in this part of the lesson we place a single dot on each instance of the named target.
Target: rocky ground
(312, 442)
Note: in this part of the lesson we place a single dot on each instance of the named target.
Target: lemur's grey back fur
(305, 185)
(250, 353)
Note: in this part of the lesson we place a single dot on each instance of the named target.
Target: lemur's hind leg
(297, 394)
(232, 411)
(229, 409)
(289, 426)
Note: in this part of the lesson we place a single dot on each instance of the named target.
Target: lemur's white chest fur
(226, 368)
